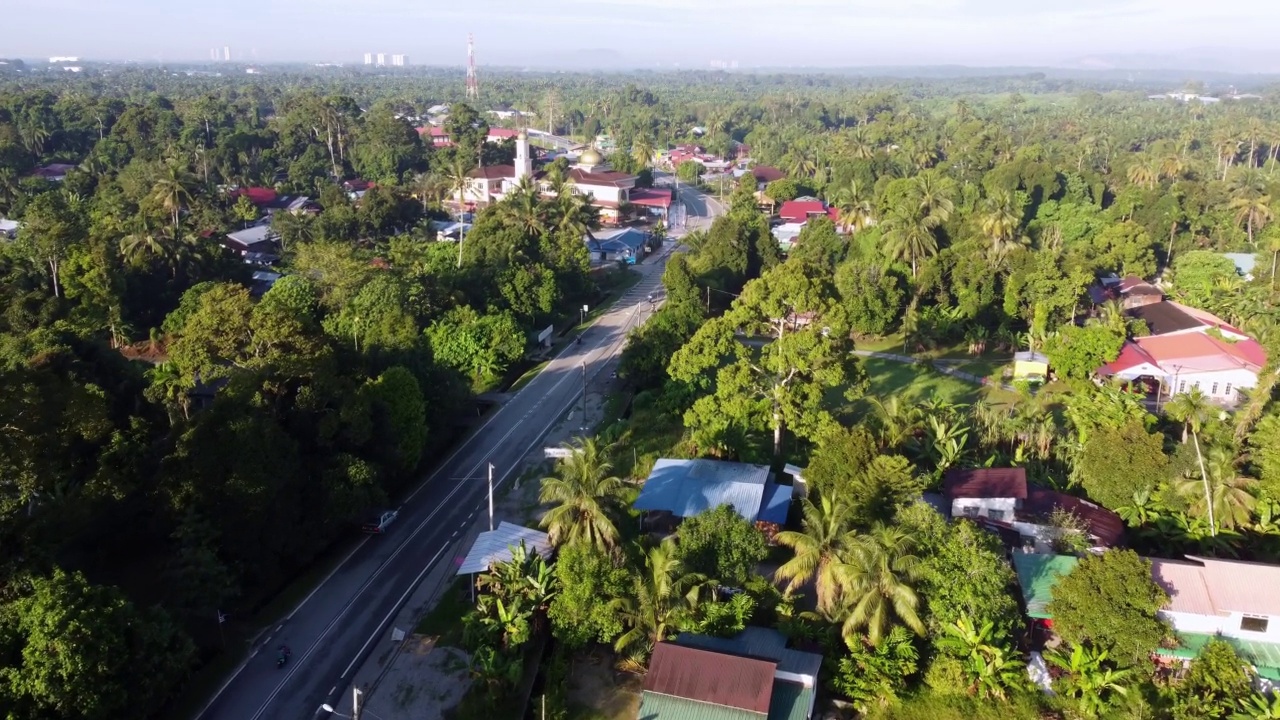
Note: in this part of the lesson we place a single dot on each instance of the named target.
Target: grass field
(915, 383)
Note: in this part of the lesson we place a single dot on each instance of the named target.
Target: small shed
(495, 546)
(1031, 366)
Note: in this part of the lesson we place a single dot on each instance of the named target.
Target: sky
(690, 33)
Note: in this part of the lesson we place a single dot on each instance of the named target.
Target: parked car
(379, 523)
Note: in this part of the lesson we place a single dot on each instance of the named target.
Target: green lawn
(889, 344)
(915, 383)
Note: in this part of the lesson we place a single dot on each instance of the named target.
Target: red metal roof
(711, 677)
(493, 172)
(650, 198)
(502, 133)
(986, 483)
(256, 195)
(1131, 355)
(604, 177)
(1103, 524)
(801, 209)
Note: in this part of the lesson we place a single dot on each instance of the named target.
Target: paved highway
(333, 629)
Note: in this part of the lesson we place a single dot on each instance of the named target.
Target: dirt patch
(611, 694)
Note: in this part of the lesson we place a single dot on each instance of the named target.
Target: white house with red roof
(803, 210)
(1189, 348)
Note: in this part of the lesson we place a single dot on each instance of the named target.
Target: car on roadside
(379, 523)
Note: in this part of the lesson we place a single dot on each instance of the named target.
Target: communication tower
(473, 82)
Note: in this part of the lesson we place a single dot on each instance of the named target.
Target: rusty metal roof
(986, 483)
(711, 677)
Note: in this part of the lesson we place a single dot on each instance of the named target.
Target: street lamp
(584, 394)
(330, 709)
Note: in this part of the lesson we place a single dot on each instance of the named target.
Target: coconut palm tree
(856, 209)
(1252, 211)
(1228, 496)
(934, 192)
(818, 547)
(662, 596)
(642, 150)
(1192, 409)
(1144, 172)
(173, 189)
(170, 388)
(143, 242)
(583, 491)
(524, 209)
(909, 237)
(1001, 219)
(875, 585)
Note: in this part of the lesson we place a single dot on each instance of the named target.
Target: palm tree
(457, 178)
(642, 150)
(1273, 247)
(143, 242)
(856, 209)
(1000, 223)
(524, 209)
(1192, 409)
(663, 595)
(875, 583)
(1144, 172)
(818, 548)
(1252, 211)
(172, 189)
(1228, 495)
(933, 193)
(170, 388)
(429, 188)
(909, 237)
(583, 491)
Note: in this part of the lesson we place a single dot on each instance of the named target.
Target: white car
(379, 523)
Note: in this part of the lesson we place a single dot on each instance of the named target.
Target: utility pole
(490, 497)
(584, 394)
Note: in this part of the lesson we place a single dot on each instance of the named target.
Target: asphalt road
(333, 629)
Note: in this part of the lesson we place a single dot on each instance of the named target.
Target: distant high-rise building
(399, 60)
(382, 60)
(368, 58)
(214, 54)
(226, 53)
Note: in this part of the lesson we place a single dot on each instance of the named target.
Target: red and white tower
(473, 82)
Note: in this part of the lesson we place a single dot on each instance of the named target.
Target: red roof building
(710, 677)
(801, 210)
(259, 196)
(986, 483)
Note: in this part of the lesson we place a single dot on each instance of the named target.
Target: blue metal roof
(624, 237)
(777, 503)
(687, 488)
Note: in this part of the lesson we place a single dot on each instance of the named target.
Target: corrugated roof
(1131, 356)
(710, 677)
(687, 488)
(1262, 655)
(986, 483)
(776, 503)
(1193, 351)
(1243, 587)
(1103, 524)
(1185, 584)
(759, 642)
(1165, 317)
(655, 706)
(790, 701)
(495, 546)
(1037, 574)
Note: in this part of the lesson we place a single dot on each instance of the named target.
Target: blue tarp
(776, 503)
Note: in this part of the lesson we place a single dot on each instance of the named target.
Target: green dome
(590, 157)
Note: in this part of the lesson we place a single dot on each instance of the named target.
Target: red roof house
(801, 210)
(727, 681)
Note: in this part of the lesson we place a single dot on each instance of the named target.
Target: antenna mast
(473, 83)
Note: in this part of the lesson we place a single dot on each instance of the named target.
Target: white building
(399, 60)
(381, 60)
(368, 58)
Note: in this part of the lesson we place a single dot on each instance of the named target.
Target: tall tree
(876, 585)
(583, 493)
(820, 546)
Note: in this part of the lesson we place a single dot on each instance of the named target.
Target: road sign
(557, 452)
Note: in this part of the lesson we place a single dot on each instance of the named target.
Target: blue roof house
(686, 488)
(624, 244)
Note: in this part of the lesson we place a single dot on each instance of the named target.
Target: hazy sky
(689, 32)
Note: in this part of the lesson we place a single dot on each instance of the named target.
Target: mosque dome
(590, 157)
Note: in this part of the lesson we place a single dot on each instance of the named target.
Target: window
(1196, 385)
(1227, 392)
(1182, 386)
(1214, 390)
(970, 511)
(996, 514)
(1253, 624)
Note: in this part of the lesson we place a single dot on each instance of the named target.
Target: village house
(1232, 600)
(1001, 498)
(678, 489)
(752, 676)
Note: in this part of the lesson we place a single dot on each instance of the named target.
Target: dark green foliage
(720, 544)
(1109, 602)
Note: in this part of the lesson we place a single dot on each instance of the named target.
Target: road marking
(382, 626)
(445, 503)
